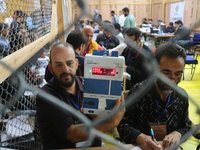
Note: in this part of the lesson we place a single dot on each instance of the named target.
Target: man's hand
(146, 142)
(171, 139)
(119, 115)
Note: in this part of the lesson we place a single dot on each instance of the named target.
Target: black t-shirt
(107, 42)
(54, 121)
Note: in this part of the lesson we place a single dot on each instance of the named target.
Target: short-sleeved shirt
(53, 120)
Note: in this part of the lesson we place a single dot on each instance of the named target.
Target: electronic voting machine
(103, 78)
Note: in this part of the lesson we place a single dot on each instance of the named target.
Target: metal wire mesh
(25, 21)
(19, 129)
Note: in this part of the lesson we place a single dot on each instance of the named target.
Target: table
(161, 38)
(162, 35)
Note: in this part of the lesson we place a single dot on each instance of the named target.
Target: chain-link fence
(19, 129)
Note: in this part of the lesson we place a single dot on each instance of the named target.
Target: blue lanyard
(77, 106)
(161, 113)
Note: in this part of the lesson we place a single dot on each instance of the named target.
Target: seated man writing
(160, 108)
(58, 128)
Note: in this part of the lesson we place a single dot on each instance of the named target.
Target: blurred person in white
(160, 24)
(119, 35)
(122, 18)
(4, 43)
(150, 23)
(120, 48)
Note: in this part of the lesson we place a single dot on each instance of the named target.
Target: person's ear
(50, 67)
(80, 47)
(139, 40)
(77, 63)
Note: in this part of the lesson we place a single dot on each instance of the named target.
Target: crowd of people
(21, 29)
(153, 110)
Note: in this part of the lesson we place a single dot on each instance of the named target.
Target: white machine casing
(101, 89)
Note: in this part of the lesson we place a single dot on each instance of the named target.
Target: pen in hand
(152, 134)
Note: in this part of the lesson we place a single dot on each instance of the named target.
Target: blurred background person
(114, 17)
(97, 16)
(119, 35)
(90, 45)
(121, 20)
(106, 39)
(130, 19)
(170, 28)
(4, 43)
(9, 20)
(150, 23)
(182, 33)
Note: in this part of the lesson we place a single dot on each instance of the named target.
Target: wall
(155, 9)
(139, 8)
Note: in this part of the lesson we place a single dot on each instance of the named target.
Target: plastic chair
(191, 62)
(190, 47)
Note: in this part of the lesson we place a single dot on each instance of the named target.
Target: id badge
(160, 130)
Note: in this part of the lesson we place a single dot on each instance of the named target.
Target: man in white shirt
(121, 19)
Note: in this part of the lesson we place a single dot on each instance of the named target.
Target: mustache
(65, 74)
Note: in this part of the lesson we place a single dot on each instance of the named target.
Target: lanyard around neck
(161, 113)
(76, 105)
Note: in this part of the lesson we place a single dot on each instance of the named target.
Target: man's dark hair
(112, 11)
(76, 38)
(171, 50)
(150, 19)
(134, 31)
(3, 26)
(18, 13)
(171, 23)
(125, 9)
(178, 22)
(117, 26)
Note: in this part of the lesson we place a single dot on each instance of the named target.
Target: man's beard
(125, 15)
(63, 82)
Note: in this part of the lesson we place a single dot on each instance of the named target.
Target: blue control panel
(103, 78)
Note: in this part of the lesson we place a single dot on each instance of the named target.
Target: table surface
(163, 35)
